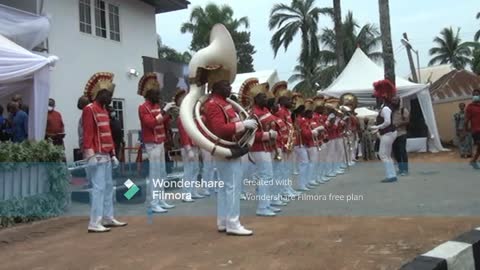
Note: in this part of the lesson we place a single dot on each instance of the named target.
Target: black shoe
(390, 180)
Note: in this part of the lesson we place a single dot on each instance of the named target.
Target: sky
(421, 20)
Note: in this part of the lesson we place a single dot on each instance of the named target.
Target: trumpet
(289, 145)
(316, 140)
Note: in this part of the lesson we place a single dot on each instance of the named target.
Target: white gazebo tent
(24, 72)
(264, 76)
(358, 78)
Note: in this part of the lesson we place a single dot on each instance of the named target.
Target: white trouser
(340, 152)
(264, 174)
(331, 157)
(228, 196)
(278, 184)
(286, 169)
(246, 173)
(157, 171)
(191, 169)
(101, 197)
(208, 169)
(302, 161)
(312, 163)
(385, 153)
(353, 154)
(321, 167)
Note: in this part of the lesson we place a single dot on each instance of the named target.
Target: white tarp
(26, 73)
(269, 76)
(358, 78)
(25, 29)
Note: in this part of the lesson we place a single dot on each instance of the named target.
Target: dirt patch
(193, 243)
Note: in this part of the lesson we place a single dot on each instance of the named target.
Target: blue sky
(422, 20)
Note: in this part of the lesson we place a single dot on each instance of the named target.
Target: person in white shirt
(385, 91)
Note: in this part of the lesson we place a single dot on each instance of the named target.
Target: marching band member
(385, 90)
(300, 150)
(341, 164)
(208, 165)
(310, 131)
(284, 100)
(261, 149)
(332, 129)
(321, 118)
(153, 120)
(224, 122)
(278, 186)
(99, 151)
(190, 156)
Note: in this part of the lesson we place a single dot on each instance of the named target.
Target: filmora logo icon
(132, 189)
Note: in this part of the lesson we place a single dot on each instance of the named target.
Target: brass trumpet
(289, 145)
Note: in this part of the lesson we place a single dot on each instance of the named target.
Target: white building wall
(82, 54)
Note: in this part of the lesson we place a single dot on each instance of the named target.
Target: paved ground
(386, 226)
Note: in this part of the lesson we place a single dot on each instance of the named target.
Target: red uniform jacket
(284, 114)
(307, 132)
(267, 123)
(153, 130)
(185, 140)
(299, 121)
(283, 132)
(97, 135)
(221, 119)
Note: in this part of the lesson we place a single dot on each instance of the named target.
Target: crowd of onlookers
(14, 127)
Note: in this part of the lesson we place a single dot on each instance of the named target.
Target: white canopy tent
(24, 72)
(269, 76)
(358, 78)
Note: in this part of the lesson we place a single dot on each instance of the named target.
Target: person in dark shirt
(18, 122)
(4, 134)
(18, 98)
(117, 132)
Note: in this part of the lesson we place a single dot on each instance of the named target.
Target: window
(114, 22)
(118, 105)
(107, 19)
(85, 17)
(100, 19)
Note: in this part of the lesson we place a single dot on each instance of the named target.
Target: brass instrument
(273, 142)
(290, 144)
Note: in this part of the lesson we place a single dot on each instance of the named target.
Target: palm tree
(366, 37)
(388, 57)
(477, 35)
(171, 54)
(300, 16)
(202, 20)
(337, 20)
(309, 80)
(450, 49)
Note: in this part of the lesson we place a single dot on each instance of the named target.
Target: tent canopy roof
(263, 76)
(358, 78)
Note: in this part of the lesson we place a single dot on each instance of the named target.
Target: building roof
(456, 85)
(433, 73)
(162, 6)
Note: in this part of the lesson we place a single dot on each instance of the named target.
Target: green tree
(450, 49)
(171, 54)
(300, 16)
(477, 35)
(388, 57)
(308, 80)
(476, 62)
(366, 37)
(203, 19)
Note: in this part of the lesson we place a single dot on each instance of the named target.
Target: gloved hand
(92, 161)
(331, 116)
(315, 133)
(273, 134)
(372, 127)
(250, 124)
(169, 106)
(346, 118)
(115, 162)
(190, 155)
(319, 129)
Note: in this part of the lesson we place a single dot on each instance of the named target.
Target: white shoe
(205, 193)
(278, 203)
(275, 209)
(97, 228)
(165, 205)
(313, 183)
(304, 189)
(113, 223)
(266, 213)
(340, 172)
(158, 209)
(188, 200)
(197, 196)
(320, 182)
(243, 197)
(239, 231)
(221, 228)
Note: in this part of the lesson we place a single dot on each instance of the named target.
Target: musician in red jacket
(284, 99)
(153, 120)
(321, 117)
(190, 157)
(254, 95)
(99, 151)
(223, 121)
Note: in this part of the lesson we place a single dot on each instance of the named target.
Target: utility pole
(410, 59)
